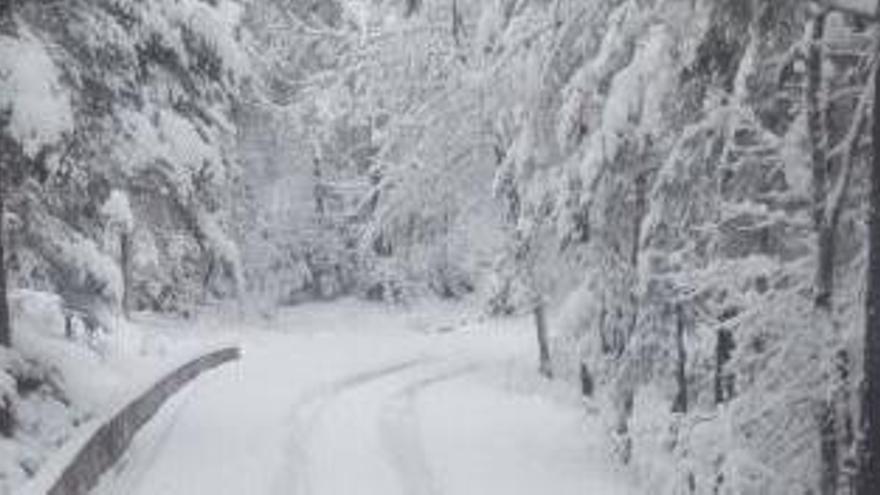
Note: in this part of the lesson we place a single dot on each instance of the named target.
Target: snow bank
(61, 385)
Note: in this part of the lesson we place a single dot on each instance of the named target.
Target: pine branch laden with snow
(128, 108)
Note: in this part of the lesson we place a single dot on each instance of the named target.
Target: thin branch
(848, 147)
(851, 7)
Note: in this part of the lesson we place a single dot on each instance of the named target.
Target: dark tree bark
(681, 401)
(5, 10)
(641, 212)
(317, 175)
(818, 132)
(5, 324)
(621, 430)
(586, 381)
(825, 227)
(7, 420)
(457, 23)
(412, 6)
(724, 381)
(828, 449)
(868, 479)
(125, 262)
(6, 155)
(844, 423)
(545, 366)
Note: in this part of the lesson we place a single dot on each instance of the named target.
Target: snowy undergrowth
(60, 380)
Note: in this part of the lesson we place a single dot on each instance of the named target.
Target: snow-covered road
(368, 411)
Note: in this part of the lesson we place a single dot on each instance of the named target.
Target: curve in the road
(399, 426)
(375, 407)
(309, 408)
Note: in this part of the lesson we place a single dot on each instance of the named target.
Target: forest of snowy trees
(679, 190)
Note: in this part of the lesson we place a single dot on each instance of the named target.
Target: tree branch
(848, 148)
(857, 8)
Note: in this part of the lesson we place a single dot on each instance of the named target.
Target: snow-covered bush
(125, 108)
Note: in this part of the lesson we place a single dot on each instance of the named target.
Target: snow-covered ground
(347, 398)
(64, 384)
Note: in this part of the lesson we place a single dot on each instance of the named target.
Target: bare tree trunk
(6, 24)
(545, 365)
(868, 479)
(825, 416)
(412, 6)
(457, 24)
(681, 402)
(586, 381)
(5, 15)
(825, 270)
(7, 420)
(320, 207)
(5, 324)
(641, 211)
(724, 385)
(125, 262)
(844, 427)
(816, 114)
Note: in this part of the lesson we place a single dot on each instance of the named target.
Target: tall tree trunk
(412, 6)
(844, 427)
(868, 479)
(826, 415)
(681, 402)
(828, 477)
(6, 25)
(125, 262)
(825, 269)
(816, 115)
(6, 16)
(318, 191)
(457, 23)
(724, 384)
(586, 381)
(545, 365)
(5, 324)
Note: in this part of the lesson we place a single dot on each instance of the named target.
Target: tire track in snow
(378, 403)
(338, 387)
(307, 411)
(401, 438)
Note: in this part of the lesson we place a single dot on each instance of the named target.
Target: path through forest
(369, 411)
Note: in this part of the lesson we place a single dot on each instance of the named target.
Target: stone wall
(111, 439)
